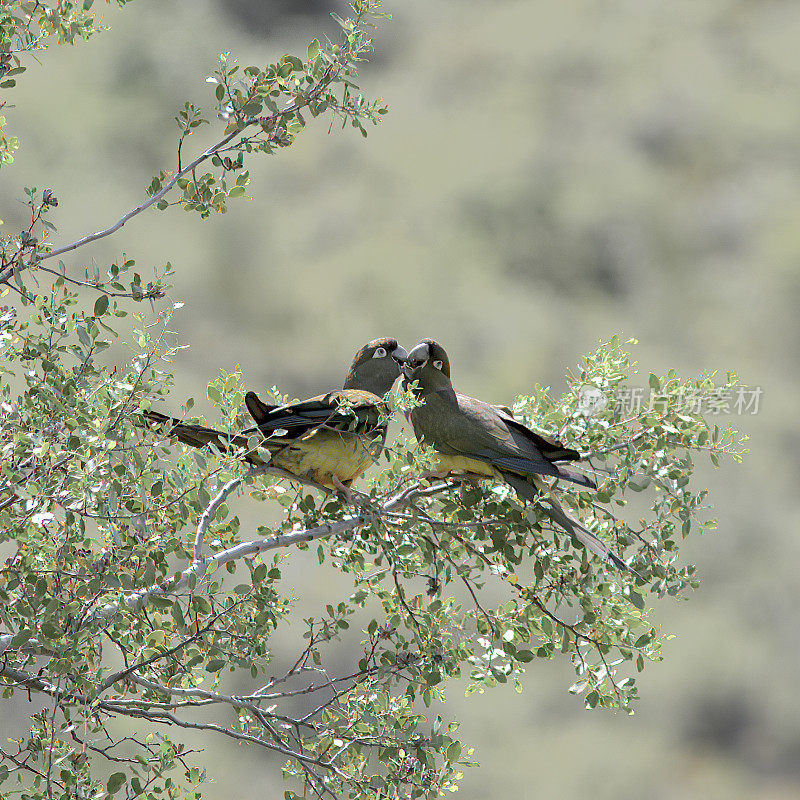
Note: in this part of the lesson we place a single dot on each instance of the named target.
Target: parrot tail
(555, 511)
(574, 477)
(200, 436)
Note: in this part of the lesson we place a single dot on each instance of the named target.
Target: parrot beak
(400, 355)
(416, 359)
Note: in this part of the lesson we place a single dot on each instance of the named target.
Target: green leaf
(525, 656)
(201, 605)
(21, 637)
(635, 598)
(252, 108)
(116, 782)
(215, 665)
(453, 752)
(101, 305)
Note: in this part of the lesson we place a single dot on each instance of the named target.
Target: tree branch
(137, 600)
(27, 680)
(208, 514)
(291, 108)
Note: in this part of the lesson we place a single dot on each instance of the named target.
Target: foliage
(25, 28)
(134, 594)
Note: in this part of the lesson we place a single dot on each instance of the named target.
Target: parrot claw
(431, 475)
(345, 491)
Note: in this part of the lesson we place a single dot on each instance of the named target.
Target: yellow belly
(471, 466)
(326, 454)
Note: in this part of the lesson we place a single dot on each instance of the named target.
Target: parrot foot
(465, 477)
(473, 478)
(433, 475)
(345, 491)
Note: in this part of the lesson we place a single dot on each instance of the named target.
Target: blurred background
(549, 174)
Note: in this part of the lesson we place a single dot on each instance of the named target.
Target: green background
(549, 174)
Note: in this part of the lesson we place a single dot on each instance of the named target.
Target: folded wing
(489, 433)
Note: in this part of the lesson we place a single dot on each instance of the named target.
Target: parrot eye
(437, 364)
(380, 352)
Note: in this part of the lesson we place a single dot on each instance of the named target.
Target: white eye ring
(437, 364)
(380, 352)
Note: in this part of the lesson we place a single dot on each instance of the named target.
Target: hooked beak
(400, 355)
(416, 359)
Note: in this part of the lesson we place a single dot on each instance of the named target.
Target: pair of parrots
(332, 439)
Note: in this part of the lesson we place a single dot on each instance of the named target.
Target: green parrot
(330, 439)
(485, 441)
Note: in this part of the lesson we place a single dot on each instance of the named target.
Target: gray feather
(556, 513)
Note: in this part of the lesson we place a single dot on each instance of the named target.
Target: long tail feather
(575, 477)
(200, 436)
(555, 511)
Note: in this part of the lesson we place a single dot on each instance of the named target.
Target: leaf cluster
(133, 591)
(27, 27)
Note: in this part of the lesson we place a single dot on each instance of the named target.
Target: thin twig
(291, 108)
